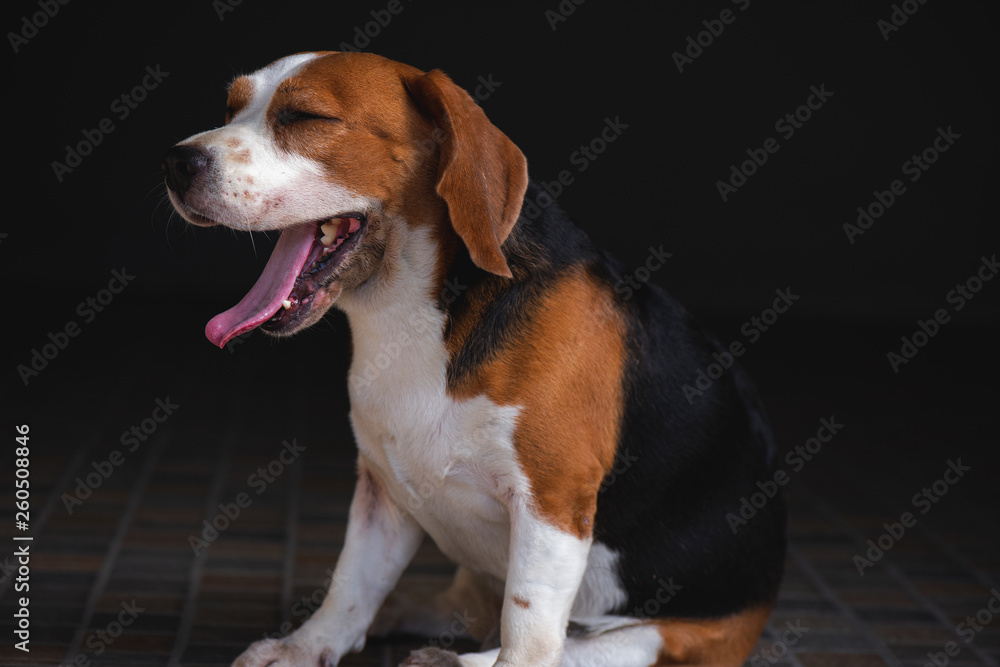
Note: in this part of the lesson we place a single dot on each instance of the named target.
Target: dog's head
(337, 150)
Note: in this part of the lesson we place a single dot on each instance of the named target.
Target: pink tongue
(273, 286)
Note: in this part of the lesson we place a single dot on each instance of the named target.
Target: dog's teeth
(286, 304)
(329, 230)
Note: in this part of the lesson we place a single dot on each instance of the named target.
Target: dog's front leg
(381, 540)
(545, 569)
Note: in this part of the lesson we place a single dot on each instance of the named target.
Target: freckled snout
(182, 165)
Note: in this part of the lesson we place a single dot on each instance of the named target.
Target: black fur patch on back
(682, 466)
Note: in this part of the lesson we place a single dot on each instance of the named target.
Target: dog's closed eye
(290, 116)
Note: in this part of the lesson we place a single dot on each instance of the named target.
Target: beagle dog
(506, 399)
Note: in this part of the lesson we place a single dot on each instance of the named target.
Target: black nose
(181, 165)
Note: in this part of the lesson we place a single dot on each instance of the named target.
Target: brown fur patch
(410, 139)
(520, 601)
(240, 94)
(240, 156)
(724, 642)
(369, 137)
(565, 370)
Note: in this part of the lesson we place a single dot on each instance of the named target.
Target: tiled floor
(115, 579)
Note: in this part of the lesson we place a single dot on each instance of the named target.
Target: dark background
(655, 185)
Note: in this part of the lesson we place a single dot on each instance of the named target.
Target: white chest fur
(450, 463)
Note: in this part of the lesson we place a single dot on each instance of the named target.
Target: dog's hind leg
(620, 642)
(631, 646)
(469, 606)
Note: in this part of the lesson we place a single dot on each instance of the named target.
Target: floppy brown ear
(482, 175)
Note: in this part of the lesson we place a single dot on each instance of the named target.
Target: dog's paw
(432, 657)
(278, 653)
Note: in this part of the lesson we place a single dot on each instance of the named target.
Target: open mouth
(305, 262)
